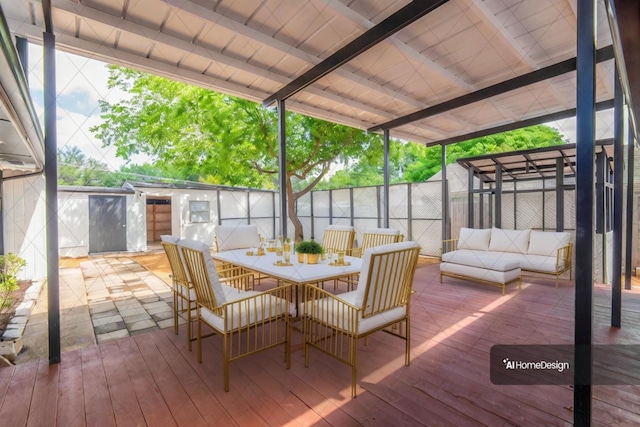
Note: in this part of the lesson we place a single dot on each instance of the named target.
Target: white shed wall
(137, 222)
(73, 224)
(24, 224)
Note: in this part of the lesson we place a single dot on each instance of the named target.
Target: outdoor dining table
(296, 273)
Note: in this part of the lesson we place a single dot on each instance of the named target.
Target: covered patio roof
(426, 70)
(535, 163)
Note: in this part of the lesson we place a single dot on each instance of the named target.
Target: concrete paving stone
(106, 320)
(110, 327)
(114, 335)
(19, 320)
(136, 318)
(12, 333)
(133, 311)
(144, 331)
(148, 298)
(163, 315)
(101, 314)
(155, 304)
(24, 309)
(142, 324)
(129, 302)
(166, 323)
(157, 310)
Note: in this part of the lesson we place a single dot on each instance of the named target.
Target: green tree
(74, 168)
(219, 139)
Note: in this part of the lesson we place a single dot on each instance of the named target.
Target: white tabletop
(296, 273)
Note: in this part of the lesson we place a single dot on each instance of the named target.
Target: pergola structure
(427, 71)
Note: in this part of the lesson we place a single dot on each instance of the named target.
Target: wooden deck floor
(152, 379)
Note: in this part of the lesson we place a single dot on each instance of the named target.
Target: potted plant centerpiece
(311, 248)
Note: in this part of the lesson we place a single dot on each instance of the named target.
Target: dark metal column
(352, 210)
(330, 206)
(585, 135)
(629, 230)
(445, 194)
(559, 194)
(22, 47)
(282, 166)
(498, 198)
(471, 193)
(386, 178)
(618, 165)
(51, 195)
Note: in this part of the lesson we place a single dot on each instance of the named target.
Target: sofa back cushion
(474, 239)
(516, 241)
(547, 243)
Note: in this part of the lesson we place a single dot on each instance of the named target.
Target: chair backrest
(229, 237)
(204, 276)
(373, 237)
(338, 238)
(386, 277)
(178, 270)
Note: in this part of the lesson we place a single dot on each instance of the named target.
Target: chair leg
(225, 362)
(189, 325)
(199, 341)
(407, 352)
(175, 310)
(354, 365)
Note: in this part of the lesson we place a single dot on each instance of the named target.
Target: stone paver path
(124, 298)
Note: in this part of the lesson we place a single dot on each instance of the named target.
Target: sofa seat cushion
(481, 273)
(541, 263)
(497, 261)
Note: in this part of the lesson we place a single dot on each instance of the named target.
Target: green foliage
(11, 264)
(74, 168)
(309, 247)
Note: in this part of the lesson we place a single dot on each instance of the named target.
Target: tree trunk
(298, 235)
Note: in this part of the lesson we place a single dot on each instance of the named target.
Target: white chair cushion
(391, 231)
(211, 267)
(170, 239)
(366, 262)
(339, 318)
(474, 239)
(547, 243)
(231, 237)
(498, 261)
(247, 312)
(541, 263)
(509, 240)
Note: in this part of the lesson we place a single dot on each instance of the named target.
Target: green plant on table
(309, 247)
(10, 264)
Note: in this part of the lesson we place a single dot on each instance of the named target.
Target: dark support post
(445, 194)
(585, 135)
(386, 178)
(410, 212)
(498, 198)
(22, 47)
(51, 195)
(330, 206)
(352, 210)
(618, 165)
(470, 204)
(313, 221)
(248, 207)
(559, 194)
(629, 230)
(481, 206)
(282, 165)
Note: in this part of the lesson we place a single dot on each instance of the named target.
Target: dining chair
(338, 238)
(231, 237)
(334, 323)
(247, 321)
(371, 238)
(184, 296)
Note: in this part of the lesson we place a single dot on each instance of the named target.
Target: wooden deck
(152, 379)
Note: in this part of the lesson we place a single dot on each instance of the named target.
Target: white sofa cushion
(509, 240)
(231, 237)
(211, 267)
(541, 263)
(474, 238)
(170, 239)
(547, 243)
(497, 261)
(480, 273)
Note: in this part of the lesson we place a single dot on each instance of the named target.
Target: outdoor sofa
(498, 256)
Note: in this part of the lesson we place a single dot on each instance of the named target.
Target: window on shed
(199, 211)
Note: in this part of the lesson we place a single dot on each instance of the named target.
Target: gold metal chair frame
(338, 240)
(332, 325)
(252, 322)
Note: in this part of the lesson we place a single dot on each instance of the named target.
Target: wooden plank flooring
(151, 379)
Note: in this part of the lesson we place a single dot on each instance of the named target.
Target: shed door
(107, 224)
